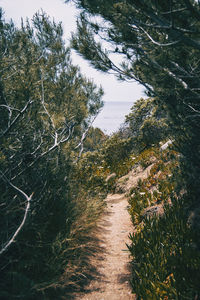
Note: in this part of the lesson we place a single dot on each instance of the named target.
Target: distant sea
(112, 116)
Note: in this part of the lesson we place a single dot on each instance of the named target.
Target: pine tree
(46, 106)
(158, 42)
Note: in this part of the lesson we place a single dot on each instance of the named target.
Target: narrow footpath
(113, 264)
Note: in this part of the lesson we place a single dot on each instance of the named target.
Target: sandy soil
(113, 264)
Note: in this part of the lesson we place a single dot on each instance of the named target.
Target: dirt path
(113, 274)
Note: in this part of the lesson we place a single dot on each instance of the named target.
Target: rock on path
(113, 272)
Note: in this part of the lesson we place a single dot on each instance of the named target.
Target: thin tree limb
(159, 44)
(174, 33)
(84, 135)
(9, 107)
(28, 199)
(57, 142)
(44, 106)
(16, 118)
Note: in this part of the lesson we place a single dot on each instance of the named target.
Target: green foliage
(47, 106)
(147, 123)
(165, 260)
(94, 140)
(157, 187)
(116, 153)
(164, 247)
(91, 172)
(112, 157)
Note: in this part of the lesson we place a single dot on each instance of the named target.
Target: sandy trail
(113, 271)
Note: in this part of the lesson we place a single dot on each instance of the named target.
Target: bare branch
(182, 82)
(171, 74)
(174, 33)
(71, 130)
(192, 108)
(28, 199)
(173, 11)
(11, 75)
(38, 147)
(84, 135)
(159, 44)
(57, 142)
(44, 106)
(16, 118)
(182, 70)
(10, 108)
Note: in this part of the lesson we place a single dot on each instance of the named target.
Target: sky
(114, 90)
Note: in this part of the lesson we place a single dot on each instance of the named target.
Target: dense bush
(165, 247)
(165, 259)
(115, 152)
(46, 107)
(147, 124)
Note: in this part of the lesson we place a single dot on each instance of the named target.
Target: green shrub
(165, 261)
(166, 257)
